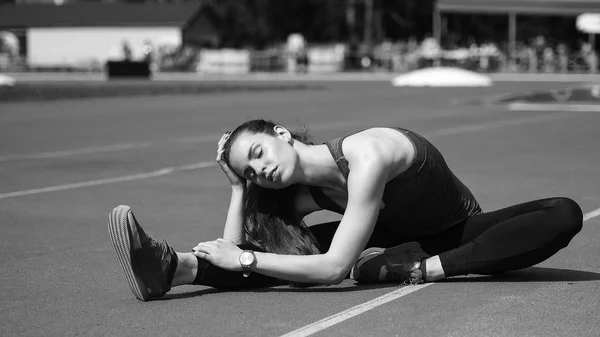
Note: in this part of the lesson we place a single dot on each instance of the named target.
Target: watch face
(246, 258)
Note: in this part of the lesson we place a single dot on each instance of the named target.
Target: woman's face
(265, 159)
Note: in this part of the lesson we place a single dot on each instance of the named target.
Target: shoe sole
(121, 238)
(372, 256)
(378, 257)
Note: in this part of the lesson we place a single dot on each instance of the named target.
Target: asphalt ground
(64, 165)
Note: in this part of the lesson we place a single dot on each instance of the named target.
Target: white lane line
(168, 170)
(158, 173)
(554, 107)
(310, 329)
(320, 127)
(591, 215)
(67, 153)
(495, 125)
(332, 320)
(138, 145)
(207, 138)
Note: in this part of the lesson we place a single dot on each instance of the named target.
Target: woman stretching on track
(398, 198)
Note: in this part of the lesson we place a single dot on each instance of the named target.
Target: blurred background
(298, 36)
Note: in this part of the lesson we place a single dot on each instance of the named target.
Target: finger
(205, 243)
(224, 137)
(221, 146)
(205, 247)
(201, 255)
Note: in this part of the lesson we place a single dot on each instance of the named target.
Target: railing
(331, 59)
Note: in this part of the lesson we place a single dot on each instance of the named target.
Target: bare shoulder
(376, 143)
(380, 146)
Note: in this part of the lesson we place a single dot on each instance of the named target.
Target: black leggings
(512, 238)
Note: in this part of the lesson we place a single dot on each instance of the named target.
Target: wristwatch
(247, 259)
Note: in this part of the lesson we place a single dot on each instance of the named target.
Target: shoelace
(408, 279)
(412, 281)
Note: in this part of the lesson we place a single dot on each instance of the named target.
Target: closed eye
(259, 153)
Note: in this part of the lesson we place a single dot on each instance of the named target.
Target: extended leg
(512, 238)
(152, 267)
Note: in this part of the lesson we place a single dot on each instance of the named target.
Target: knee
(569, 215)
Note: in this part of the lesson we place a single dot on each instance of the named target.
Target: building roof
(97, 15)
(540, 7)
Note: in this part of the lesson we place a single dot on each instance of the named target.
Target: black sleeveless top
(425, 199)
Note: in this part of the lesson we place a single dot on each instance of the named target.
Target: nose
(260, 168)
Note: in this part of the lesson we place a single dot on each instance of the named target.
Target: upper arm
(366, 183)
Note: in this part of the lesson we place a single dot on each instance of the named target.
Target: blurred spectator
(562, 54)
(399, 57)
(539, 45)
(127, 51)
(9, 49)
(383, 53)
(532, 57)
(302, 60)
(430, 51)
(412, 53)
(589, 57)
(148, 55)
(148, 51)
(486, 52)
(297, 54)
(548, 60)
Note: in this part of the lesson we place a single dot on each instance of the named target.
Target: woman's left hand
(221, 253)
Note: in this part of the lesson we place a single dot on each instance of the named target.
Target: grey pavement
(60, 277)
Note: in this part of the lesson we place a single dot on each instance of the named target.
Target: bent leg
(512, 238)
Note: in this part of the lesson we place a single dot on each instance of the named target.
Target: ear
(283, 133)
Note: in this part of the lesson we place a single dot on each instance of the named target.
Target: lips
(272, 176)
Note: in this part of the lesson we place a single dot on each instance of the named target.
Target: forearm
(234, 224)
(320, 268)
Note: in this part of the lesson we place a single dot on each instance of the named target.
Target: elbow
(337, 273)
(334, 278)
(338, 279)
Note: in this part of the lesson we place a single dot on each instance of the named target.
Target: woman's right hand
(234, 179)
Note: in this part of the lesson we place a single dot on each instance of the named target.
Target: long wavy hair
(272, 222)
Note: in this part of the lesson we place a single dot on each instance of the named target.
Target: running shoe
(148, 264)
(396, 264)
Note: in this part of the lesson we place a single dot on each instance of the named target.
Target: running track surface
(65, 164)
